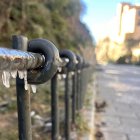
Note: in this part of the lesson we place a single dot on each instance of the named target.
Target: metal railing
(39, 61)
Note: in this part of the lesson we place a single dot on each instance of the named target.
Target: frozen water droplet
(33, 87)
(72, 73)
(67, 60)
(6, 78)
(64, 76)
(59, 69)
(26, 85)
(59, 77)
(32, 113)
(25, 80)
(79, 71)
(14, 74)
(21, 74)
(76, 61)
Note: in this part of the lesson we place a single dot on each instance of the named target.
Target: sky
(99, 14)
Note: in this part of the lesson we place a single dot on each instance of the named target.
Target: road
(119, 87)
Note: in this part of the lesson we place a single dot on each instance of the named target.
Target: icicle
(59, 69)
(72, 73)
(26, 86)
(59, 77)
(33, 87)
(14, 74)
(32, 113)
(76, 61)
(64, 76)
(25, 80)
(6, 78)
(67, 60)
(21, 74)
(79, 71)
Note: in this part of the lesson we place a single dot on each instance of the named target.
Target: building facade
(128, 17)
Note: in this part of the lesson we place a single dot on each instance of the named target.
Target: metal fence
(38, 61)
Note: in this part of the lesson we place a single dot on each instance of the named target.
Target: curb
(89, 110)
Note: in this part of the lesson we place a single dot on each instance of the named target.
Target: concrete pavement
(119, 87)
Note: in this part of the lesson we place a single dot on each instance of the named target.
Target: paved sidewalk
(118, 91)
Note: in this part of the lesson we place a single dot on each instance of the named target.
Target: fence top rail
(11, 59)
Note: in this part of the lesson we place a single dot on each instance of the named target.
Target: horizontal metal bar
(11, 59)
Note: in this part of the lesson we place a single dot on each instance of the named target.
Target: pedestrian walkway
(118, 102)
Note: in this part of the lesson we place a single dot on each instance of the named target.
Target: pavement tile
(119, 113)
(119, 86)
(110, 120)
(114, 136)
(121, 129)
(130, 122)
(134, 137)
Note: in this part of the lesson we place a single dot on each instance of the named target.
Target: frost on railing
(16, 62)
(6, 76)
(33, 87)
(19, 60)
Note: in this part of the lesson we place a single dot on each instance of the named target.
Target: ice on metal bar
(67, 60)
(33, 87)
(64, 76)
(79, 71)
(25, 80)
(76, 61)
(72, 73)
(59, 77)
(32, 113)
(23, 75)
(14, 74)
(59, 69)
(18, 60)
(6, 78)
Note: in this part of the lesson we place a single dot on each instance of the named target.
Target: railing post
(73, 97)
(67, 107)
(23, 97)
(70, 66)
(78, 81)
(54, 109)
(78, 89)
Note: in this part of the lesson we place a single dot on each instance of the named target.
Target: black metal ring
(51, 54)
(80, 62)
(72, 59)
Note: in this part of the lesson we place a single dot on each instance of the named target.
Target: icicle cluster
(33, 87)
(64, 76)
(79, 71)
(6, 75)
(72, 73)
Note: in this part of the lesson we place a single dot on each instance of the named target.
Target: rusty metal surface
(19, 60)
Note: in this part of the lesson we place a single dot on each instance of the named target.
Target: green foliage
(10, 135)
(56, 20)
(81, 124)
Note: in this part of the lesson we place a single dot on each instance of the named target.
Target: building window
(138, 12)
(138, 23)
